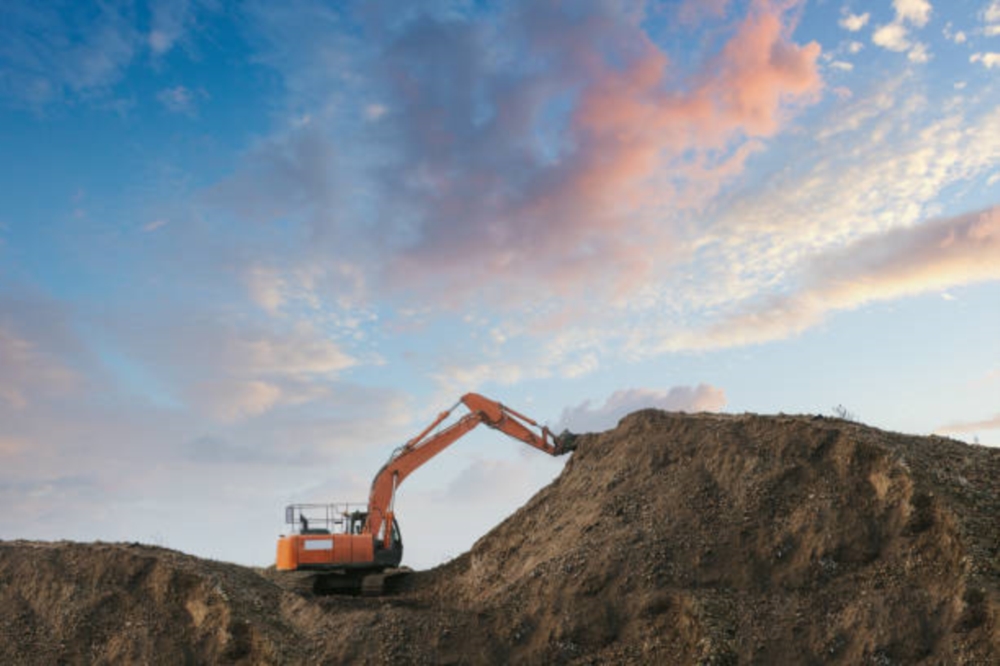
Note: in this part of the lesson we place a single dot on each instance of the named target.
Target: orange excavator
(348, 547)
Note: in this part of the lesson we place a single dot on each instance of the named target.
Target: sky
(249, 248)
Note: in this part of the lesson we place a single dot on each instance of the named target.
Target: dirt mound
(722, 539)
(672, 539)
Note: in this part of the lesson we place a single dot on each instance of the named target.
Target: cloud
(919, 54)
(917, 12)
(169, 21)
(854, 22)
(179, 100)
(931, 257)
(52, 51)
(991, 19)
(893, 36)
(227, 370)
(968, 427)
(633, 145)
(34, 347)
(574, 158)
(988, 60)
(234, 399)
(486, 481)
(375, 111)
(586, 417)
(956, 36)
(152, 226)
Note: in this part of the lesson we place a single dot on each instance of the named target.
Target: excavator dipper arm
(425, 446)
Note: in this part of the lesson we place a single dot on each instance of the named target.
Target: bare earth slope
(674, 538)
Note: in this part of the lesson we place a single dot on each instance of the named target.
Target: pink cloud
(972, 426)
(761, 69)
(587, 417)
(640, 136)
(932, 257)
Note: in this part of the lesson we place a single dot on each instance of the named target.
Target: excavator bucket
(566, 442)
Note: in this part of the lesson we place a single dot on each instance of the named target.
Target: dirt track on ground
(688, 539)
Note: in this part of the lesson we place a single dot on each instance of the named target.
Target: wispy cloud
(51, 51)
(931, 257)
(170, 20)
(587, 417)
(180, 99)
(34, 346)
(970, 427)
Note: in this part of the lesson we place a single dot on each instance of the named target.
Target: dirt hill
(674, 538)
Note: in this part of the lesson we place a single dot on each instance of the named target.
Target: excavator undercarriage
(352, 582)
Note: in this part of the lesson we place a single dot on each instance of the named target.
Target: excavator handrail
(407, 458)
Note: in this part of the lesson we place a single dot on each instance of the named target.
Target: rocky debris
(701, 539)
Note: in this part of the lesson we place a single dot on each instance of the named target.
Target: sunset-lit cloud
(587, 417)
(34, 344)
(932, 257)
(556, 184)
(971, 427)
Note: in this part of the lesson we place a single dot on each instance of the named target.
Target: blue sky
(246, 249)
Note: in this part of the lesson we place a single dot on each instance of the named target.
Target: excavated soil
(673, 539)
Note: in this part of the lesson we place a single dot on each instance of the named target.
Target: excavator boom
(407, 458)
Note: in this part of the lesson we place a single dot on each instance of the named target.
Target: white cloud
(989, 60)
(855, 47)
(917, 12)
(841, 65)
(154, 225)
(586, 417)
(892, 36)
(854, 22)
(895, 36)
(958, 37)
(918, 53)
(991, 19)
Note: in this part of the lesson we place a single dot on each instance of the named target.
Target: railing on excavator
(336, 518)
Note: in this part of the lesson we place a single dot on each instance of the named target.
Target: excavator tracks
(344, 582)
